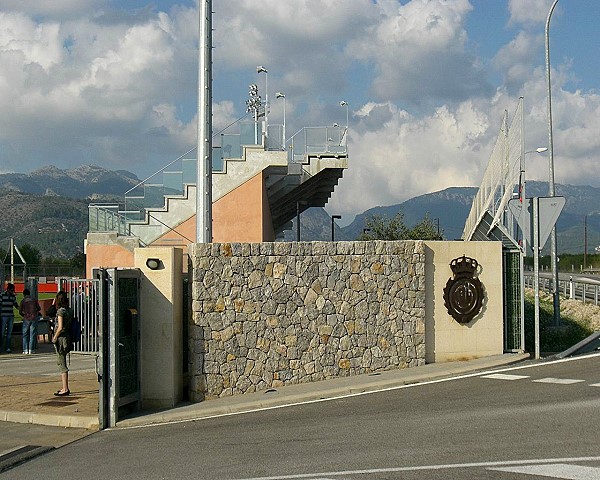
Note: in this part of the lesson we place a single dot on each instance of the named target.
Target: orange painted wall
(242, 215)
(106, 256)
(172, 239)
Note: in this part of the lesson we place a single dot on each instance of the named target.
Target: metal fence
(83, 297)
(582, 289)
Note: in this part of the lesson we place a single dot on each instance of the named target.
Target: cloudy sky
(114, 83)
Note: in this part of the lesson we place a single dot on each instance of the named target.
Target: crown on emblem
(464, 265)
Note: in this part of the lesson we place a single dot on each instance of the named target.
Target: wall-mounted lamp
(153, 263)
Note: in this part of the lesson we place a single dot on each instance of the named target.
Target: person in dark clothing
(30, 310)
(62, 339)
(9, 301)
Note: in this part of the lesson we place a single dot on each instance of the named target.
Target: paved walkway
(28, 383)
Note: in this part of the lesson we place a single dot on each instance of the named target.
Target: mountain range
(48, 209)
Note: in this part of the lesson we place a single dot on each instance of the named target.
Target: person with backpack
(30, 310)
(8, 300)
(62, 340)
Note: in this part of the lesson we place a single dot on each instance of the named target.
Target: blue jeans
(29, 335)
(7, 327)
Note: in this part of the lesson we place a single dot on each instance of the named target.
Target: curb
(19, 455)
(67, 421)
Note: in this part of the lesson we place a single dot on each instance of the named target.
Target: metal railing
(582, 289)
(171, 180)
(107, 218)
(501, 174)
(316, 141)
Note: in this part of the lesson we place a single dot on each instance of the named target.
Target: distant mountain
(48, 209)
(86, 181)
(450, 207)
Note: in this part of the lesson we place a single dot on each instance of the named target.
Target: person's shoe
(25, 352)
(31, 352)
(62, 394)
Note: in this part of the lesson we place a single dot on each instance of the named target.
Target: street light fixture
(282, 95)
(551, 192)
(261, 69)
(333, 218)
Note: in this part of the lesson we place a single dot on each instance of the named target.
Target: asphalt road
(535, 421)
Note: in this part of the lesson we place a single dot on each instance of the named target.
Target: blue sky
(114, 83)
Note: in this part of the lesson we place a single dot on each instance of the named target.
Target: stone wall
(273, 314)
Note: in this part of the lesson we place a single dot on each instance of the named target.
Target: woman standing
(61, 339)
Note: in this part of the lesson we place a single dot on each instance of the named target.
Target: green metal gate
(513, 301)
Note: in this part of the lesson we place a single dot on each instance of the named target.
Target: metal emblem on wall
(463, 294)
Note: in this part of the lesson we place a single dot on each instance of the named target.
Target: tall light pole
(282, 95)
(344, 103)
(261, 69)
(204, 149)
(333, 218)
(298, 204)
(551, 191)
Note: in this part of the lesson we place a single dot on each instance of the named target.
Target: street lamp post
(282, 95)
(551, 192)
(204, 128)
(298, 203)
(333, 218)
(261, 69)
(344, 103)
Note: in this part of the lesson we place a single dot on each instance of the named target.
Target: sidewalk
(27, 395)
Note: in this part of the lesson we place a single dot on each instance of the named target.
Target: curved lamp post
(344, 103)
(551, 190)
(261, 69)
(282, 95)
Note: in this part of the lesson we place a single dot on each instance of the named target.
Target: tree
(378, 227)
(78, 262)
(31, 254)
(426, 229)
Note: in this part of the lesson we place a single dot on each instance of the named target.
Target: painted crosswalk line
(557, 470)
(504, 376)
(558, 381)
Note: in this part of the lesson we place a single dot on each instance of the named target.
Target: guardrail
(585, 290)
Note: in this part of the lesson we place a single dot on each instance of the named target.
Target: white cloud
(91, 90)
(96, 85)
(529, 11)
(418, 50)
(409, 156)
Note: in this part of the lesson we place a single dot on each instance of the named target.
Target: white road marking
(487, 465)
(557, 470)
(504, 376)
(559, 381)
(595, 385)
